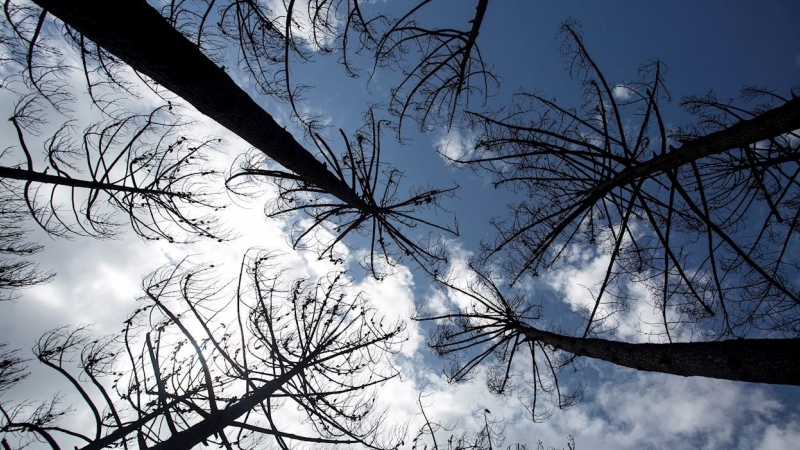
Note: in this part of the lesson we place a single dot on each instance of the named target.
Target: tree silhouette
(442, 67)
(139, 164)
(78, 173)
(192, 365)
(16, 271)
(149, 44)
(502, 328)
(449, 70)
(490, 327)
(708, 226)
(704, 216)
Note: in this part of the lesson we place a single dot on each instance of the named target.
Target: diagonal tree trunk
(773, 361)
(775, 122)
(768, 125)
(137, 34)
(217, 421)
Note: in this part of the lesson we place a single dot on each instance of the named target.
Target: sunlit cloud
(454, 144)
(622, 92)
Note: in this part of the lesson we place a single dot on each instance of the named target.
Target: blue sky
(719, 46)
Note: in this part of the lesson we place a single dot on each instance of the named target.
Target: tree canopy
(690, 218)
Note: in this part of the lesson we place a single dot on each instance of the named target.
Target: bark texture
(773, 361)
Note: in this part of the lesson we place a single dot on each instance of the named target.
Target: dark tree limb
(773, 361)
(146, 41)
(138, 35)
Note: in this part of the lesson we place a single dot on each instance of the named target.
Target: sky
(719, 46)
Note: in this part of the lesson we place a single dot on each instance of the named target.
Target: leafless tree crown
(232, 364)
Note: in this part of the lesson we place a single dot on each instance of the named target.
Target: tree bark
(773, 361)
(136, 33)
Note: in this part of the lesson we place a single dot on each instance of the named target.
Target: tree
(15, 271)
(450, 68)
(137, 165)
(590, 179)
(131, 159)
(148, 43)
(495, 326)
(127, 171)
(192, 365)
(710, 227)
(728, 192)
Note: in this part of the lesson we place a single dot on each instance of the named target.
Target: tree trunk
(217, 421)
(773, 361)
(136, 33)
(770, 124)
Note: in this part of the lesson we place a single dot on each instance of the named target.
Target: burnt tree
(205, 361)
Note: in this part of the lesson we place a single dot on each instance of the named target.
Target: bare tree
(16, 271)
(507, 330)
(705, 216)
(148, 43)
(489, 328)
(140, 165)
(708, 226)
(449, 70)
(292, 361)
(87, 174)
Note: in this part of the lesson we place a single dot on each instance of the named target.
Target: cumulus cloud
(626, 306)
(393, 297)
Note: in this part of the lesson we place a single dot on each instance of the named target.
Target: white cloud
(623, 410)
(394, 298)
(634, 410)
(302, 26)
(627, 305)
(455, 144)
(780, 436)
(621, 92)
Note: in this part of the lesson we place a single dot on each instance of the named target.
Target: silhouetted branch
(485, 327)
(148, 43)
(706, 225)
(206, 361)
(388, 220)
(450, 68)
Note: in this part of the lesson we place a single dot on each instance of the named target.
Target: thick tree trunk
(773, 361)
(136, 33)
